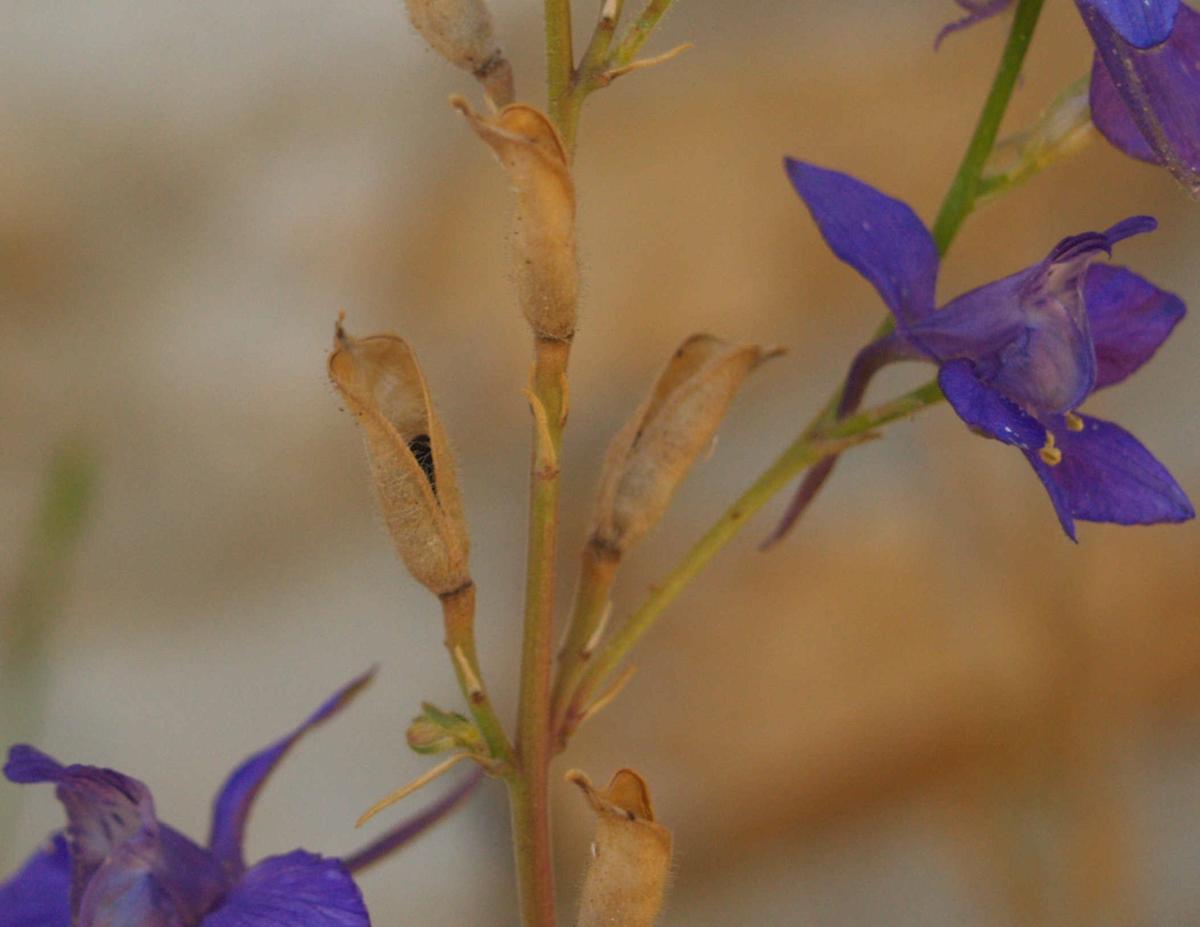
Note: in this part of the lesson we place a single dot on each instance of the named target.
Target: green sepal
(437, 731)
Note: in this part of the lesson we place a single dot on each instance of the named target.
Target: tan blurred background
(926, 707)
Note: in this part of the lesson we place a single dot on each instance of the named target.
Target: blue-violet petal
(298, 889)
(987, 411)
(1107, 475)
(878, 236)
(232, 806)
(39, 893)
(1141, 23)
(1129, 317)
(1160, 88)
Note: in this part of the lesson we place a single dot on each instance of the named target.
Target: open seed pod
(651, 455)
(547, 270)
(631, 855)
(410, 461)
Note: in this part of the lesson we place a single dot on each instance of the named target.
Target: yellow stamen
(1074, 422)
(1051, 455)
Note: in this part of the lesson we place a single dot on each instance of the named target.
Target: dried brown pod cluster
(651, 455)
(410, 459)
(631, 855)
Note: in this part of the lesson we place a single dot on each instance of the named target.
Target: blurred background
(925, 707)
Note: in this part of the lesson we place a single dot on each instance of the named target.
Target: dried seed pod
(547, 271)
(461, 32)
(410, 461)
(651, 455)
(631, 856)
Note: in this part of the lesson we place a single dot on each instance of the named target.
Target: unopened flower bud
(651, 455)
(1061, 130)
(547, 271)
(436, 731)
(461, 32)
(631, 855)
(411, 463)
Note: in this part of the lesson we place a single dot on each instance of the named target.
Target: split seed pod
(461, 32)
(410, 461)
(631, 855)
(547, 270)
(651, 455)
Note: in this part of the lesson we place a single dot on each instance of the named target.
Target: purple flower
(117, 865)
(1145, 92)
(1016, 357)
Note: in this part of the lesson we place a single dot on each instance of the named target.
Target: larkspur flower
(117, 865)
(1017, 357)
(1145, 88)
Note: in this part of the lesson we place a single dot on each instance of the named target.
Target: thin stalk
(597, 573)
(805, 451)
(458, 617)
(529, 788)
(409, 830)
(36, 600)
(640, 31)
(964, 189)
(595, 56)
(560, 59)
(601, 62)
(588, 76)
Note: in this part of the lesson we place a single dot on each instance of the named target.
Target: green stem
(964, 189)
(36, 600)
(560, 60)
(529, 812)
(458, 619)
(530, 786)
(805, 451)
(599, 62)
(639, 32)
(595, 56)
(597, 573)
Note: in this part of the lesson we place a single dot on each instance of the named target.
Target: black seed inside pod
(423, 452)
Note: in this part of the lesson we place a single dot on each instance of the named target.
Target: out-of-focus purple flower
(1019, 356)
(117, 865)
(1145, 91)
(1146, 99)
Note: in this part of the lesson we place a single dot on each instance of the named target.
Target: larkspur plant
(1017, 358)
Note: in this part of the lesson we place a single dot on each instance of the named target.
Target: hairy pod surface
(651, 455)
(547, 270)
(410, 460)
(631, 855)
(459, 30)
